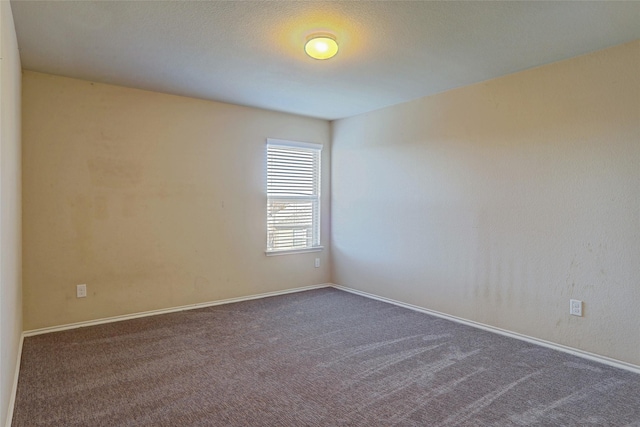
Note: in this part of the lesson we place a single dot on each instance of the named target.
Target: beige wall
(152, 200)
(10, 234)
(500, 201)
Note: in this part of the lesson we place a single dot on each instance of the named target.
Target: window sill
(294, 251)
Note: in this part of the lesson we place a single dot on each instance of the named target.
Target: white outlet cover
(575, 307)
(81, 291)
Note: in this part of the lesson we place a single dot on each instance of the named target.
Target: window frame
(316, 150)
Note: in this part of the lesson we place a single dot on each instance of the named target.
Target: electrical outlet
(575, 307)
(317, 262)
(81, 291)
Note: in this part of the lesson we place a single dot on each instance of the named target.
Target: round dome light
(321, 47)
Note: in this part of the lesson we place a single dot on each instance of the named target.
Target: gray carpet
(316, 358)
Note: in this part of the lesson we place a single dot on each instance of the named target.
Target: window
(293, 196)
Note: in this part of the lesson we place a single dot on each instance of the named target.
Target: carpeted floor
(316, 358)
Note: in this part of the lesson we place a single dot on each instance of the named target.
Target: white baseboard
(14, 387)
(574, 351)
(167, 310)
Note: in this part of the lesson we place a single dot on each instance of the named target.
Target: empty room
(302, 213)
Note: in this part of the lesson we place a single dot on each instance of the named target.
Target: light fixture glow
(321, 47)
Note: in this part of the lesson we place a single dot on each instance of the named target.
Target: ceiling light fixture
(321, 46)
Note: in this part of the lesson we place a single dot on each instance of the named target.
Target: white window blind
(293, 195)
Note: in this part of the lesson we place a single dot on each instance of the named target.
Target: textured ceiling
(251, 53)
